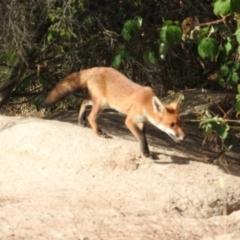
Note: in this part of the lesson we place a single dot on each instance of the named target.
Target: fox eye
(172, 124)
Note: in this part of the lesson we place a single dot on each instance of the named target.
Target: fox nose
(181, 136)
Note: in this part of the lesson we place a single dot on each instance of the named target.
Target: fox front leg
(139, 133)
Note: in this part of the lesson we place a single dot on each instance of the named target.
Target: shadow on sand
(113, 123)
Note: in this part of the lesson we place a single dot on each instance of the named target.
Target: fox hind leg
(82, 118)
(96, 110)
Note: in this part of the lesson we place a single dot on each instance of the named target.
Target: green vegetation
(170, 45)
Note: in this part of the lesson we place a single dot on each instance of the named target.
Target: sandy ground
(60, 181)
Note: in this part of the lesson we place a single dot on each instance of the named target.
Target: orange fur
(111, 89)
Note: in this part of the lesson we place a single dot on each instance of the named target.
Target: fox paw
(103, 134)
(83, 123)
(149, 155)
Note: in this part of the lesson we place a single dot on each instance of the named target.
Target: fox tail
(71, 83)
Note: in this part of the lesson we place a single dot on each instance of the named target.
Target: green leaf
(228, 46)
(149, 57)
(131, 28)
(208, 48)
(163, 34)
(207, 131)
(222, 7)
(225, 49)
(163, 49)
(207, 121)
(221, 82)
(238, 102)
(235, 66)
(230, 141)
(235, 5)
(224, 70)
(221, 129)
(208, 114)
(174, 35)
(238, 88)
(117, 60)
(49, 37)
(203, 33)
(237, 33)
(171, 35)
(140, 20)
(234, 78)
(177, 23)
(168, 23)
(122, 53)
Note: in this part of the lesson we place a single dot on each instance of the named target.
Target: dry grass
(23, 110)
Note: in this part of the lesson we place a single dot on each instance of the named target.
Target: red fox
(109, 88)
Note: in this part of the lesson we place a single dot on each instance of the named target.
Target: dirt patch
(60, 181)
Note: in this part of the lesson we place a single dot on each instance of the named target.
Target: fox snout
(177, 137)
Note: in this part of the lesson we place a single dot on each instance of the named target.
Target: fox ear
(175, 104)
(157, 105)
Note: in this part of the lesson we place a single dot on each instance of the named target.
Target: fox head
(166, 118)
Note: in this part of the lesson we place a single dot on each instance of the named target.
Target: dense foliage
(170, 45)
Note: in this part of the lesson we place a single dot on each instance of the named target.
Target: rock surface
(60, 181)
